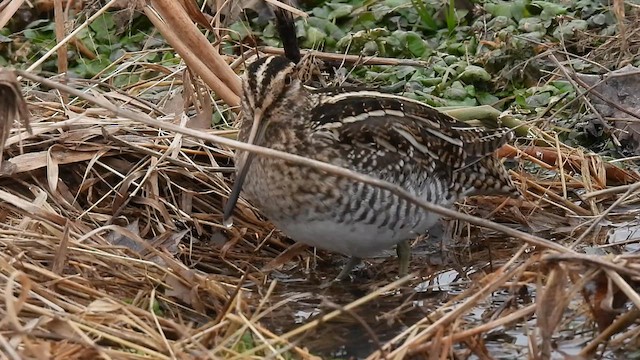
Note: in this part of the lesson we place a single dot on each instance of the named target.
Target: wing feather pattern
(378, 122)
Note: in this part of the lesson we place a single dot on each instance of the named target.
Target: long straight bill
(257, 133)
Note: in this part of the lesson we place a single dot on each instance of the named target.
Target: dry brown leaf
(60, 259)
(122, 239)
(53, 171)
(167, 241)
(31, 209)
(606, 301)
(196, 15)
(12, 106)
(9, 10)
(285, 256)
(179, 290)
(614, 174)
(618, 11)
(103, 306)
(18, 282)
(176, 101)
(203, 106)
(40, 350)
(36, 160)
(174, 24)
(552, 301)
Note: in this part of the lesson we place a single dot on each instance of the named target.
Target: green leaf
(531, 25)
(463, 102)
(30, 34)
(42, 25)
(379, 11)
(485, 98)
(364, 21)
(451, 18)
(239, 30)
(370, 48)
(567, 29)
(510, 9)
(600, 19)
(327, 26)
(471, 90)
(473, 73)
(563, 86)
(430, 81)
(549, 9)
(455, 92)
(404, 71)
(499, 9)
(538, 100)
(396, 3)
(415, 44)
(321, 12)
(451, 59)
(270, 31)
(102, 27)
(340, 10)
(157, 309)
(314, 37)
(425, 15)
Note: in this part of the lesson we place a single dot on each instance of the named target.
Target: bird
(403, 141)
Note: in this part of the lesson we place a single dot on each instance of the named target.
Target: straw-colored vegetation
(111, 242)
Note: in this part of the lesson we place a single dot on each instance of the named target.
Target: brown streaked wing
(476, 141)
(406, 125)
(393, 127)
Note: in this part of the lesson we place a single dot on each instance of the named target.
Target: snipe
(397, 139)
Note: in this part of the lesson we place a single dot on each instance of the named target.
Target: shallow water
(440, 278)
(626, 234)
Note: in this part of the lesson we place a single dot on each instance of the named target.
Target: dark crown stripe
(260, 75)
(275, 65)
(252, 74)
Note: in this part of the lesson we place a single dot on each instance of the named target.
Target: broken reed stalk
(176, 26)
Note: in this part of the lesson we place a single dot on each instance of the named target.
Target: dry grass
(112, 244)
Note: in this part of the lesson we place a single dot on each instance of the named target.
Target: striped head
(272, 91)
(272, 94)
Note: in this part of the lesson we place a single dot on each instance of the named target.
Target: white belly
(358, 240)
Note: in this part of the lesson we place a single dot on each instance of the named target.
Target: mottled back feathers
(373, 132)
(399, 127)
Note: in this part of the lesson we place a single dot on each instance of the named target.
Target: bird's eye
(288, 79)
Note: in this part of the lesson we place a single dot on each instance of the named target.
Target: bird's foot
(403, 250)
(344, 273)
(347, 268)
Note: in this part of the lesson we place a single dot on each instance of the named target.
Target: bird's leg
(403, 249)
(346, 270)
